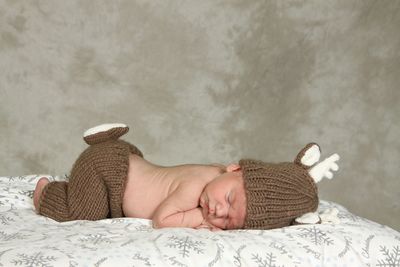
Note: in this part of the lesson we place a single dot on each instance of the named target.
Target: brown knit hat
(277, 193)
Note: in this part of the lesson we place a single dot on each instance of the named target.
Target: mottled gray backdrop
(208, 81)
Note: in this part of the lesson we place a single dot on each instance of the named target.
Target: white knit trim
(330, 216)
(309, 218)
(103, 128)
(311, 156)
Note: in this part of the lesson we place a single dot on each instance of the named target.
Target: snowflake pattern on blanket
(27, 239)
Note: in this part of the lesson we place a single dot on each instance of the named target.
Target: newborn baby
(112, 179)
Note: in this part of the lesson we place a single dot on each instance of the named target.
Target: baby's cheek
(240, 221)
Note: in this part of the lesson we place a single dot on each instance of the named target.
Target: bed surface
(27, 239)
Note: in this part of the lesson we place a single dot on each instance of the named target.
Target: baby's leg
(38, 191)
(84, 197)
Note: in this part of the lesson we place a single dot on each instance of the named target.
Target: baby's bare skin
(170, 196)
(148, 185)
(38, 191)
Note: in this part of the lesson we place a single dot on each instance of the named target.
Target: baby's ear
(233, 167)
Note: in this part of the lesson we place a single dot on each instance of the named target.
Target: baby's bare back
(148, 185)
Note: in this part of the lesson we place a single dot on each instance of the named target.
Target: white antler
(324, 168)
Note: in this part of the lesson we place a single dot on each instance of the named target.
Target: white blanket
(27, 239)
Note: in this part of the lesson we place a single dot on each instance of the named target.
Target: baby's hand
(206, 225)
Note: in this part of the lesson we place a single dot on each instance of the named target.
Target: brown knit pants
(95, 188)
(75, 200)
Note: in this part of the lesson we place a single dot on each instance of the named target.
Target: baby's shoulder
(185, 190)
(192, 183)
(194, 178)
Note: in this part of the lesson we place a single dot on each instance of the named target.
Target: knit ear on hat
(104, 132)
(308, 156)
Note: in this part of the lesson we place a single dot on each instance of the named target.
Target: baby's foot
(38, 191)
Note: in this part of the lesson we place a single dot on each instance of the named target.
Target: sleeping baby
(111, 179)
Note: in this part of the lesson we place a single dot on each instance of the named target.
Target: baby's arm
(180, 209)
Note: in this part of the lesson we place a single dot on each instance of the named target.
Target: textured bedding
(27, 239)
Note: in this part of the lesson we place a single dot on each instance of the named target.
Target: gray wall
(208, 81)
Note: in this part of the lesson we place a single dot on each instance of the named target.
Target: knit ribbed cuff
(53, 201)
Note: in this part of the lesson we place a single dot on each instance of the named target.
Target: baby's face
(224, 201)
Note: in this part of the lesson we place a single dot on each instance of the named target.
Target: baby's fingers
(214, 229)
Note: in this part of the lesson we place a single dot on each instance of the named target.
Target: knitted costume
(96, 185)
(277, 194)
